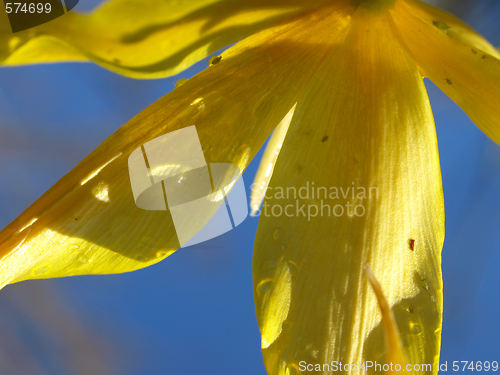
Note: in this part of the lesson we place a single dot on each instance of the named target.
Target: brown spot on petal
(411, 244)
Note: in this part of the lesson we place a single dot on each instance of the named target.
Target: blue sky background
(194, 312)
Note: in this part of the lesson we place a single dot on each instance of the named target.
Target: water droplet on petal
(415, 328)
(215, 60)
(312, 351)
(164, 253)
(275, 304)
(199, 104)
(83, 259)
(263, 287)
(409, 309)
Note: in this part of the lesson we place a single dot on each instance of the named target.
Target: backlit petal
(464, 65)
(144, 38)
(268, 161)
(362, 136)
(89, 222)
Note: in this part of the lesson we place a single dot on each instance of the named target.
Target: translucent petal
(266, 166)
(92, 222)
(144, 38)
(464, 65)
(356, 182)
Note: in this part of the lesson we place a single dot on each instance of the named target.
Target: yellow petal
(268, 161)
(144, 38)
(89, 222)
(363, 128)
(449, 25)
(459, 61)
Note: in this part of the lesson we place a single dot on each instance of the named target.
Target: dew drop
(311, 350)
(83, 259)
(409, 309)
(426, 285)
(415, 328)
(215, 60)
(164, 253)
(199, 104)
(263, 287)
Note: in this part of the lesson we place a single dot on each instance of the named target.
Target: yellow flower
(342, 83)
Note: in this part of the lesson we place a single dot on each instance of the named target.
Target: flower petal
(144, 39)
(268, 161)
(89, 222)
(362, 136)
(464, 65)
